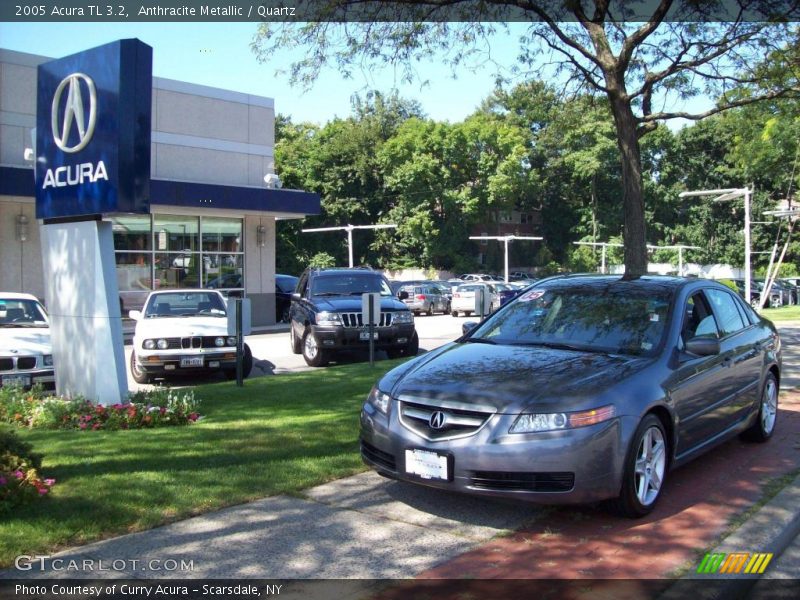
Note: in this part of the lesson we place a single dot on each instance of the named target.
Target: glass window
(175, 270)
(222, 234)
(131, 232)
(134, 271)
(724, 306)
(222, 271)
(182, 304)
(172, 233)
(698, 320)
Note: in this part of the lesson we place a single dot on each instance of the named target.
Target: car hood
(353, 304)
(511, 379)
(163, 327)
(25, 341)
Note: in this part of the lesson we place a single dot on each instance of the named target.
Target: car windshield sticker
(532, 295)
(654, 317)
(646, 346)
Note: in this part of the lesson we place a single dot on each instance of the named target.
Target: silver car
(426, 298)
(583, 388)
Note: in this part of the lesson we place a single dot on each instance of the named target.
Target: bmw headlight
(403, 317)
(48, 360)
(149, 344)
(379, 399)
(538, 422)
(328, 319)
(219, 342)
(162, 344)
(231, 341)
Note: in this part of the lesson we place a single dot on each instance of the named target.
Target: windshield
(616, 319)
(350, 285)
(185, 304)
(21, 313)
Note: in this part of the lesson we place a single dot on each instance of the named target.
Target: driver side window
(698, 319)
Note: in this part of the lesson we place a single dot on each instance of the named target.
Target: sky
(218, 55)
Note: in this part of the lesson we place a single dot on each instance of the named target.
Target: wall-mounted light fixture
(261, 236)
(22, 228)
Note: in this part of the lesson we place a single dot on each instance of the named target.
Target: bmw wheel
(247, 365)
(137, 372)
(312, 353)
(764, 427)
(295, 343)
(645, 469)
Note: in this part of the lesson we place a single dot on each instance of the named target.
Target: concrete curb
(772, 529)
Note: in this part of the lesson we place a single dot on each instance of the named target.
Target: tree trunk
(634, 232)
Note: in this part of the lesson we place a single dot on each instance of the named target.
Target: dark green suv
(325, 316)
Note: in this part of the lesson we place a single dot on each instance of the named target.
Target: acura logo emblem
(73, 112)
(438, 420)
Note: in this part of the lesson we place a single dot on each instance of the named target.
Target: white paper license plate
(194, 361)
(426, 464)
(22, 380)
(364, 335)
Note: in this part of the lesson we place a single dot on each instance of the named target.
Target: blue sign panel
(93, 132)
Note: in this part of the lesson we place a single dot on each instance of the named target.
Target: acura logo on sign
(438, 420)
(73, 112)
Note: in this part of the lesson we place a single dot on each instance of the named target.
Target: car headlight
(48, 360)
(403, 317)
(162, 344)
(231, 341)
(219, 342)
(328, 319)
(379, 399)
(149, 344)
(537, 422)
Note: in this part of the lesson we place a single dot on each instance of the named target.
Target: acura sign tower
(92, 161)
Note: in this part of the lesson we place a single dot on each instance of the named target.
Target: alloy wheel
(651, 461)
(769, 406)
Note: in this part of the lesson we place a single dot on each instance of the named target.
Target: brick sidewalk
(699, 501)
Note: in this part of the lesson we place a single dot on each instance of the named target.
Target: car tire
(294, 342)
(764, 427)
(413, 346)
(429, 312)
(285, 315)
(247, 365)
(467, 313)
(647, 457)
(454, 313)
(312, 353)
(139, 375)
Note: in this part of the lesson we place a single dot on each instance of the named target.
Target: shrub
(152, 408)
(19, 478)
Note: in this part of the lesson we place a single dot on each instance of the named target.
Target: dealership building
(213, 197)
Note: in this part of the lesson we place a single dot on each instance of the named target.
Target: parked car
(582, 389)
(505, 292)
(476, 277)
(425, 298)
(184, 331)
(794, 288)
(26, 356)
(464, 298)
(325, 316)
(284, 288)
(227, 281)
(519, 275)
(756, 289)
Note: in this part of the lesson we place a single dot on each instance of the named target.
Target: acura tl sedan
(584, 388)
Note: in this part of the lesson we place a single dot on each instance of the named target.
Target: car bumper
(565, 467)
(341, 338)
(44, 377)
(163, 363)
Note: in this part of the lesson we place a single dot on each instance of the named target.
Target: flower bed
(153, 408)
(20, 481)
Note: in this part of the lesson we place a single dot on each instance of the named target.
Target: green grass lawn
(275, 435)
(784, 313)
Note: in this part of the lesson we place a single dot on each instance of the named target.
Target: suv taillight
(420, 296)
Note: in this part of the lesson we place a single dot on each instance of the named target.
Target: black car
(583, 388)
(325, 316)
(284, 287)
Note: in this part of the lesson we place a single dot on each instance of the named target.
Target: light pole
(680, 248)
(506, 239)
(349, 229)
(732, 194)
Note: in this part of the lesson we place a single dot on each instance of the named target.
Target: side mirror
(135, 314)
(402, 295)
(703, 346)
(295, 296)
(468, 326)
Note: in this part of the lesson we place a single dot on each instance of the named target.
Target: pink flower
(194, 416)
(19, 474)
(83, 425)
(49, 482)
(42, 491)
(3, 480)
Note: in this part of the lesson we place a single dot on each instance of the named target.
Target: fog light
(328, 342)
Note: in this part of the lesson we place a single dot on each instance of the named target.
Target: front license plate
(213, 364)
(194, 361)
(364, 336)
(23, 380)
(426, 464)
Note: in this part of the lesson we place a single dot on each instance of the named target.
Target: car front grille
(378, 457)
(523, 482)
(194, 342)
(450, 421)
(356, 320)
(22, 363)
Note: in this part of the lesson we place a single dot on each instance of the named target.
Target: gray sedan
(584, 388)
